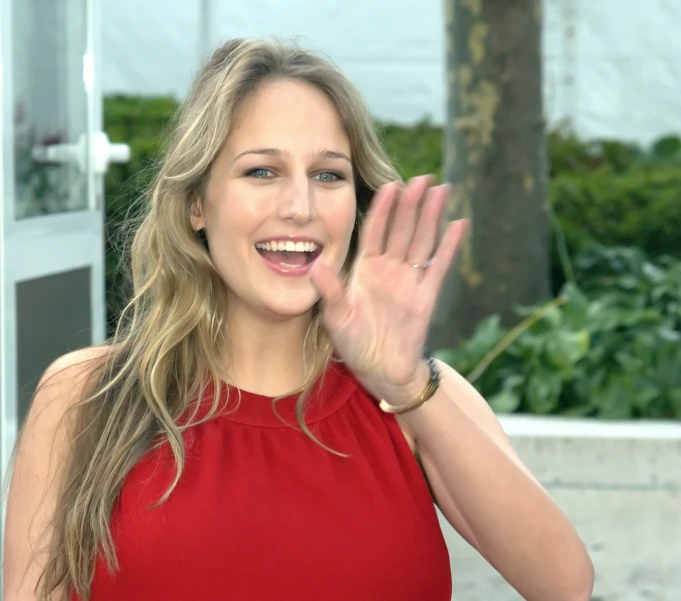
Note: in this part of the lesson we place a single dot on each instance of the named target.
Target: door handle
(103, 153)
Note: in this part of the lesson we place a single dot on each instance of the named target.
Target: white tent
(613, 72)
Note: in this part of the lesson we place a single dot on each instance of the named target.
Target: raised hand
(379, 322)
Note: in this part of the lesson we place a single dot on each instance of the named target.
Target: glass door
(54, 156)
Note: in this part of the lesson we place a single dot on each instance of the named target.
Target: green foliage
(569, 154)
(612, 349)
(414, 150)
(640, 207)
(139, 122)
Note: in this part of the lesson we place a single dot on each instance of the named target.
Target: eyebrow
(327, 154)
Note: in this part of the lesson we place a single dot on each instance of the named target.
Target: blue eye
(259, 172)
(328, 176)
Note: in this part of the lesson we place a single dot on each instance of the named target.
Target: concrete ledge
(620, 483)
(565, 427)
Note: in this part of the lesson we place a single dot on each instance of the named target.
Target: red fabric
(262, 512)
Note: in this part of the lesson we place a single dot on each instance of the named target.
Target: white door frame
(46, 245)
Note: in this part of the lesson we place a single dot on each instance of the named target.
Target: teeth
(287, 245)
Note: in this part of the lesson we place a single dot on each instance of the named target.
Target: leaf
(614, 400)
(575, 309)
(508, 400)
(654, 273)
(447, 355)
(543, 391)
(488, 332)
(565, 348)
(644, 393)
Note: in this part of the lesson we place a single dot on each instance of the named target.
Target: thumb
(330, 287)
(335, 304)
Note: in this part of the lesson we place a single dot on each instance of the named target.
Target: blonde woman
(265, 424)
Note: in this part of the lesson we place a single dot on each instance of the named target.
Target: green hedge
(608, 347)
(640, 207)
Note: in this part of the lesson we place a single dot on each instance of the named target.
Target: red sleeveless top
(263, 513)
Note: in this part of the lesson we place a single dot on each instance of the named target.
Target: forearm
(518, 528)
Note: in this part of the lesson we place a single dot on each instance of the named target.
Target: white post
(205, 16)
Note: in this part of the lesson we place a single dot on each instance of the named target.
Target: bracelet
(428, 391)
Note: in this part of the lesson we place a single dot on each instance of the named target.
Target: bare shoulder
(62, 385)
(73, 366)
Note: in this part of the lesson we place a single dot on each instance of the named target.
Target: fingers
(427, 231)
(405, 218)
(373, 234)
(435, 274)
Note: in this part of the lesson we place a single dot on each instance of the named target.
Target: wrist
(418, 391)
(413, 389)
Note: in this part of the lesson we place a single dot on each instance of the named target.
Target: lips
(289, 257)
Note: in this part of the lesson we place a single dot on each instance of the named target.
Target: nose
(298, 200)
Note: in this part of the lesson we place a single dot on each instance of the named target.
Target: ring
(425, 265)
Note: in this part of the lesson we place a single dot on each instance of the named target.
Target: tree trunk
(495, 155)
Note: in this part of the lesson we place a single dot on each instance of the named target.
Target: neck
(266, 355)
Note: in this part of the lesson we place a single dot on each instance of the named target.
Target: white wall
(620, 485)
(612, 66)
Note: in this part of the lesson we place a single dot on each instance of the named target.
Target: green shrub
(640, 207)
(609, 348)
(414, 150)
(139, 122)
(569, 154)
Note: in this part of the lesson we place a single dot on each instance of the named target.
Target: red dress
(263, 513)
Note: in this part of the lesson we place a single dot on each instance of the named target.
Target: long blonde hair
(173, 328)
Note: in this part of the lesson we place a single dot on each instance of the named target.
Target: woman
(176, 463)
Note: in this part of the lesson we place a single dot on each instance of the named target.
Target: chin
(291, 305)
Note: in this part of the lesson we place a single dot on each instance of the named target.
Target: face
(281, 195)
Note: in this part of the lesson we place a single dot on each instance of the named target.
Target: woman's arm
(489, 496)
(41, 452)
(378, 322)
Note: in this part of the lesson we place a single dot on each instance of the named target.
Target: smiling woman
(284, 175)
(253, 430)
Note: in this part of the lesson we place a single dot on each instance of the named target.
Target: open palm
(379, 322)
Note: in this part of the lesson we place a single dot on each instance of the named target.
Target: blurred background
(559, 123)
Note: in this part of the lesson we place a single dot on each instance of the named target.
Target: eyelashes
(258, 173)
(323, 176)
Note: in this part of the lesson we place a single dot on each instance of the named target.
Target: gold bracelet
(428, 392)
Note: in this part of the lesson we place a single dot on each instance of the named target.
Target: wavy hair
(140, 393)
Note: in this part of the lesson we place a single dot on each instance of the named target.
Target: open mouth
(289, 254)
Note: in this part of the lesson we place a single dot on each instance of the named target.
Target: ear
(196, 217)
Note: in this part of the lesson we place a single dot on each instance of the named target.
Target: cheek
(226, 227)
(232, 217)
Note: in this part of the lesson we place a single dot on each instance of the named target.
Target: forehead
(289, 115)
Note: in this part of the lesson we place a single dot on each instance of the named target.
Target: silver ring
(425, 265)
